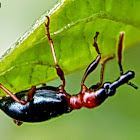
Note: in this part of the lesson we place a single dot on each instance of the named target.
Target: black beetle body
(47, 103)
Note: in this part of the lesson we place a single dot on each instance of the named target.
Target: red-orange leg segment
(120, 46)
(103, 68)
(11, 94)
(60, 72)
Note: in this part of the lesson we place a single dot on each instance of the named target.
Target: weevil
(40, 104)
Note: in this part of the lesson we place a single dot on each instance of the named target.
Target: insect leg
(98, 85)
(94, 64)
(103, 68)
(17, 122)
(11, 94)
(30, 94)
(44, 84)
(120, 45)
(60, 72)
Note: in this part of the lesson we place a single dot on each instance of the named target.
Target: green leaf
(73, 26)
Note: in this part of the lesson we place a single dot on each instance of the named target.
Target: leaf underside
(72, 28)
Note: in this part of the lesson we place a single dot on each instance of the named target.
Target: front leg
(93, 64)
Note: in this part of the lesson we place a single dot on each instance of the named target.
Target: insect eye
(106, 86)
(109, 91)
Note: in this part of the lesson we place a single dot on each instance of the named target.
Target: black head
(124, 79)
(110, 88)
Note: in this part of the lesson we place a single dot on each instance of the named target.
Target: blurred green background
(118, 118)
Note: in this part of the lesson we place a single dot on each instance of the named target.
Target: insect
(40, 104)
